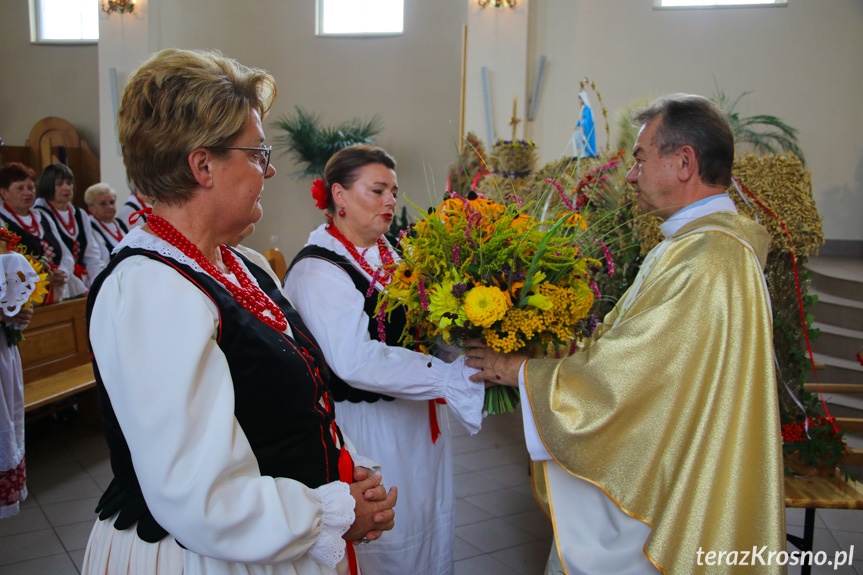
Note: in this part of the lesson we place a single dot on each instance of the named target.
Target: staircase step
(838, 311)
(842, 277)
(839, 342)
(837, 370)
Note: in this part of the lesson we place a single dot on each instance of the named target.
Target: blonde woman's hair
(180, 100)
(96, 191)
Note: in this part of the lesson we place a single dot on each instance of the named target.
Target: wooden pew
(55, 357)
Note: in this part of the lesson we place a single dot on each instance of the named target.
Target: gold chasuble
(673, 412)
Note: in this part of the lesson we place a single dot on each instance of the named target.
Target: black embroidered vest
(109, 241)
(280, 388)
(81, 220)
(393, 326)
(33, 243)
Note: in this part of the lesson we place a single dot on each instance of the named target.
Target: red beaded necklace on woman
(119, 233)
(247, 294)
(384, 274)
(33, 229)
(72, 227)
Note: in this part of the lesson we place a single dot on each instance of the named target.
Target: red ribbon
(142, 213)
(346, 474)
(435, 428)
(799, 300)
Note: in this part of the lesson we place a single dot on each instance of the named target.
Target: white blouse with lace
(154, 337)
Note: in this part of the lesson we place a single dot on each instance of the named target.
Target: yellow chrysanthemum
(41, 288)
(445, 308)
(485, 305)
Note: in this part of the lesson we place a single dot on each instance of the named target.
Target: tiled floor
(499, 531)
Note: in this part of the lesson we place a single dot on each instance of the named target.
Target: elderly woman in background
(38, 234)
(386, 394)
(55, 191)
(108, 230)
(222, 434)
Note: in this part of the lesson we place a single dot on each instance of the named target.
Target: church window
(360, 17)
(64, 21)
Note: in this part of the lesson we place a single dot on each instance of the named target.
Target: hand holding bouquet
(475, 268)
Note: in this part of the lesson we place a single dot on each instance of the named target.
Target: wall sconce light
(121, 6)
(498, 3)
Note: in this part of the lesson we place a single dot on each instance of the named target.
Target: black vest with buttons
(394, 325)
(81, 220)
(281, 395)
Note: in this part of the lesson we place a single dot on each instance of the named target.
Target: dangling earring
(341, 212)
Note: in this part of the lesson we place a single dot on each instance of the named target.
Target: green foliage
(766, 134)
(312, 144)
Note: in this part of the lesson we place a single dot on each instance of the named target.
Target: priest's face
(655, 177)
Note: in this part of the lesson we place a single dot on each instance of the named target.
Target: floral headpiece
(319, 192)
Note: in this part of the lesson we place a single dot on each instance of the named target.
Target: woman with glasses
(224, 447)
(108, 230)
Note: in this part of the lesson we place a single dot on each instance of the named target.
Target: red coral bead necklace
(247, 294)
(33, 229)
(384, 274)
(72, 227)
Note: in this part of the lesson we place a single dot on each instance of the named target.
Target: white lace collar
(138, 238)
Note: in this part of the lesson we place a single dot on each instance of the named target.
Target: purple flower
(459, 289)
(595, 288)
(608, 258)
(562, 194)
(382, 332)
(456, 249)
(424, 299)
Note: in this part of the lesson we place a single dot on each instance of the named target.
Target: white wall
(802, 63)
(37, 81)
(497, 40)
(412, 81)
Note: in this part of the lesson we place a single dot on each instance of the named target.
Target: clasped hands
(495, 368)
(374, 509)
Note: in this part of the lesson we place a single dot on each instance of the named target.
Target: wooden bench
(825, 491)
(55, 357)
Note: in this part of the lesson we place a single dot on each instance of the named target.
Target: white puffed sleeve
(332, 308)
(153, 336)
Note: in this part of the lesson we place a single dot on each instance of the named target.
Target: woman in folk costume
(216, 407)
(55, 190)
(18, 280)
(385, 394)
(38, 234)
(108, 230)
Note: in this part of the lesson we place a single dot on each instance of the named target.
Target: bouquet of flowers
(476, 268)
(33, 283)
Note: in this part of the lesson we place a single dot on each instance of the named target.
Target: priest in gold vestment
(660, 442)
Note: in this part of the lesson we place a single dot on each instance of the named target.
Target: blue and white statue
(584, 136)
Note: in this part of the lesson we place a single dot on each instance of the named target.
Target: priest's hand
(495, 368)
(374, 507)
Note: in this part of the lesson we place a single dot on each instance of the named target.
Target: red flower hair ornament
(319, 192)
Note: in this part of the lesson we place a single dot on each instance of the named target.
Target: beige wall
(412, 81)
(802, 63)
(37, 81)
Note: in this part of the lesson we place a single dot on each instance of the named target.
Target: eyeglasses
(263, 154)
